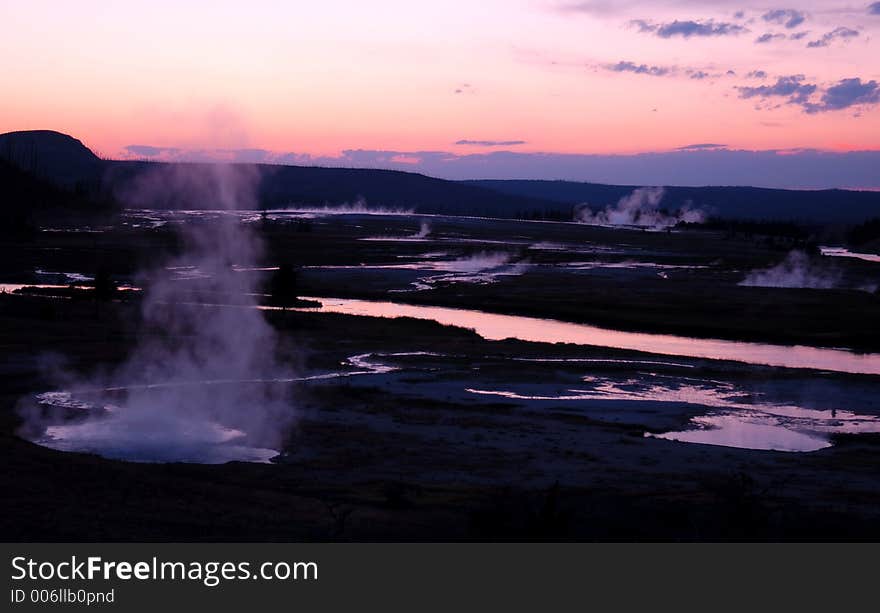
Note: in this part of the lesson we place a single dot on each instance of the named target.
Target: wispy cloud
(490, 143)
(149, 151)
(689, 28)
(769, 37)
(591, 7)
(835, 34)
(177, 154)
(789, 18)
(701, 147)
(625, 66)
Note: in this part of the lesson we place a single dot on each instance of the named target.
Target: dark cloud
(697, 164)
(829, 37)
(642, 25)
(701, 147)
(253, 156)
(786, 17)
(591, 7)
(798, 35)
(709, 166)
(624, 66)
(874, 9)
(757, 74)
(845, 94)
(173, 154)
(700, 75)
(490, 143)
(149, 151)
(769, 37)
(688, 28)
(791, 87)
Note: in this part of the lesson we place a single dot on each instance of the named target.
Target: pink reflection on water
(493, 326)
(846, 253)
(734, 431)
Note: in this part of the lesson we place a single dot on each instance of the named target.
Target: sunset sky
(309, 82)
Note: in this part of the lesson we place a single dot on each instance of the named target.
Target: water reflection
(735, 417)
(493, 326)
(747, 433)
(842, 252)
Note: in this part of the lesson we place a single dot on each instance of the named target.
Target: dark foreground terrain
(430, 432)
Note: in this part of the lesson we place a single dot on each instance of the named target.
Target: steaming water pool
(99, 421)
(493, 326)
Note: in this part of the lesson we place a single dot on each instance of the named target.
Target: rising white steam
(424, 230)
(198, 386)
(640, 209)
(796, 270)
(483, 267)
(358, 207)
(420, 236)
(477, 262)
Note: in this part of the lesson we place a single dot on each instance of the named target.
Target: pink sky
(319, 78)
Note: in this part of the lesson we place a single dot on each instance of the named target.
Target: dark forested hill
(67, 163)
(280, 186)
(831, 205)
(54, 156)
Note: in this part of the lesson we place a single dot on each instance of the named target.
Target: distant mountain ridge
(831, 205)
(66, 162)
(281, 186)
(51, 155)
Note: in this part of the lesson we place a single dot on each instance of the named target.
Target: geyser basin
(116, 423)
(138, 440)
(217, 368)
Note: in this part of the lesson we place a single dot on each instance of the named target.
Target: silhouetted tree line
(750, 228)
(864, 232)
(555, 214)
(26, 200)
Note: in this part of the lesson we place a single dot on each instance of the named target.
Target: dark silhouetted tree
(283, 286)
(104, 286)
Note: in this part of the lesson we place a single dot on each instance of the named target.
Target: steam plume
(639, 209)
(358, 207)
(796, 270)
(195, 387)
(424, 230)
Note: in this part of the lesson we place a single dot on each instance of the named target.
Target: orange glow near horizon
(408, 77)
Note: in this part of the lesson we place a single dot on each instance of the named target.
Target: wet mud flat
(410, 430)
(411, 454)
(676, 282)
